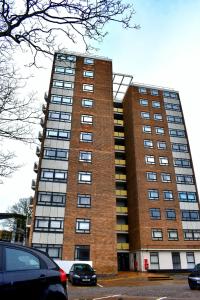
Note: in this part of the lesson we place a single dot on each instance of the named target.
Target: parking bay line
(105, 297)
(162, 298)
(99, 285)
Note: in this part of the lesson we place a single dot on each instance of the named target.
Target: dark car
(27, 273)
(81, 273)
(194, 278)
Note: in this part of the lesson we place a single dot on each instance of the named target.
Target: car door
(24, 274)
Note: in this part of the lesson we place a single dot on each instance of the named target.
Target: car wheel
(192, 286)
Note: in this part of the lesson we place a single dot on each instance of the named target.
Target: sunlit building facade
(115, 180)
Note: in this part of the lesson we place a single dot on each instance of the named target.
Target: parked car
(194, 278)
(27, 273)
(82, 273)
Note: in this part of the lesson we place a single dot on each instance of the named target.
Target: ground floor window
(154, 260)
(190, 260)
(54, 251)
(82, 252)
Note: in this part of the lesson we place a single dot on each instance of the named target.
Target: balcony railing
(120, 177)
(119, 122)
(118, 110)
(119, 148)
(122, 227)
(33, 185)
(120, 162)
(42, 122)
(122, 209)
(44, 108)
(118, 134)
(122, 246)
(37, 151)
(121, 193)
(35, 167)
(40, 136)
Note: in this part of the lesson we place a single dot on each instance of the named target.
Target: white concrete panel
(59, 125)
(165, 260)
(50, 211)
(50, 238)
(54, 164)
(184, 155)
(176, 126)
(186, 188)
(183, 260)
(56, 144)
(56, 187)
(169, 100)
(189, 205)
(58, 107)
(191, 225)
(186, 171)
(64, 77)
(59, 239)
(174, 113)
(62, 92)
(178, 140)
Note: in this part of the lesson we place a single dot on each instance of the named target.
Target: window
(161, 145)
(85, 177)
(170, 214)
(155, 104)
(86, 119)
(145, 115)
(177, 132)
(66, 100)
(54, 251)
(148, 143)
(184, 179)
(56, 153)
(88, 61)
(59, 116)
(187, 196)
(168, 94)
(53, 175)
(87, 103)
(142, 90)
(146, 129)
(154, 261)
(149, 159)
(144, 102)
(51, 199)
(172, 234)
(159, 130)
(156, 234)
(190, 260)
(155, 213)
(85, 156)
(153, 194)
(168, 195)
(61, 56)
(84, 200)
(154, 92)
(151, 176)
(191, 234)
(190, 215)
(163, 161)
(82, 226)
(87, 73)
(63, 84)
(88, 87)
(82, 252)
(176, 147)
(166, 177)
(157, 117)
(20, 260)
(49, 224)
(58, 134)
(174, 119)
(86, 137)
(172, 106)
(182, 163)
(64, 70)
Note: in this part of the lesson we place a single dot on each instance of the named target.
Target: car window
(197, 267)
(20, 260)
(82, 267)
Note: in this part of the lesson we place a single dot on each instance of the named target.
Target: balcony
(122, 193)
(122, 209)
(120, 177)
(46, 97)
(37, 152)
(118, 110)
(42, 122)
(122, 227)
(35, 167)
(119, 135)
(122, 246)
(28, 222)
(120, 162)
(119, 122)
(33, 185)
(119, 148)
(44, 108)
(40, 136)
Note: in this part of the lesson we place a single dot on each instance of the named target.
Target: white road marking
(99, 285)
(162, 298)
(107, 297)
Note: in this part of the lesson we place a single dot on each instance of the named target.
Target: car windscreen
(82, 268)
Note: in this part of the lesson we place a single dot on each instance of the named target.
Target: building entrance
(123, 261)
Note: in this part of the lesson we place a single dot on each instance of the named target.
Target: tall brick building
(115, 180)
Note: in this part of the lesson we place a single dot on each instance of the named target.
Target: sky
(165, 51)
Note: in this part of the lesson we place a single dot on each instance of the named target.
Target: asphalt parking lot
(137, 287)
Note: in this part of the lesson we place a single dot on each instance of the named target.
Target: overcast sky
(164, 52)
